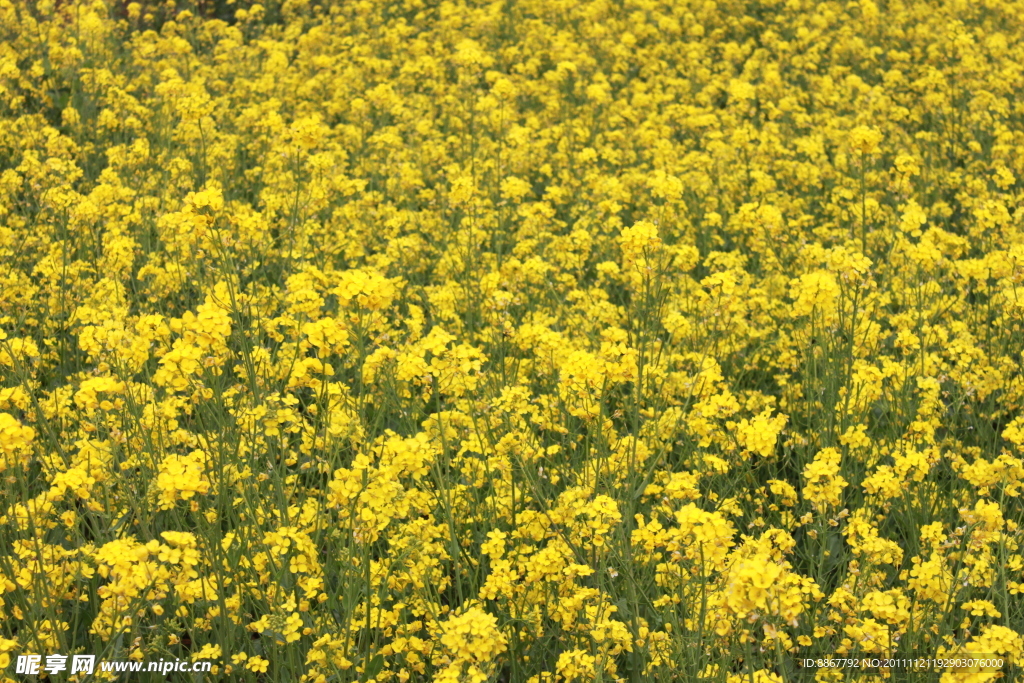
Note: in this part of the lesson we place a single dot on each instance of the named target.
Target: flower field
(526, 341)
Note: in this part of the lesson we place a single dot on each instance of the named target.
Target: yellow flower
(761, 434)
(15, 440)
(473, 636)
(824, 485)
(865, 139)
(257, 664)
(182, 477)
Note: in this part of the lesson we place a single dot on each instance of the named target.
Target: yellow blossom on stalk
(365, 289)
(748, 588)
(912, 219)
(17, 350)
(181, 477)
(862, 535)
(981, 608)
(814, 291)
(907, 165)
(865, 139)
(473, 636)
(326, 335)
(208, 651)
(758, 585)
(640, 246)
(784, 490)
(930, 579)
(15, 441)
(583, 378)
(87, 397)
(760, 434)
(869, 635)
(257, 664)
(1014, 432)
(996, 642)
(576, 665)
(824, 485)
(1005, 470)
(307, 132)
(473, 640)
(884, 483)
(703, 536)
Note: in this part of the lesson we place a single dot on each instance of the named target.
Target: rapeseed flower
(533, 341)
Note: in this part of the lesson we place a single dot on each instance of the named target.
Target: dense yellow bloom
(865, 139)
(815, 291)
(473, 636)
(15, 441)
(181, 477)
(759, 435)
(824, 483)
(535, 341)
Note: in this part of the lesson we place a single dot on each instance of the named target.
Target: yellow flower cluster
(533, 341)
